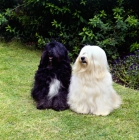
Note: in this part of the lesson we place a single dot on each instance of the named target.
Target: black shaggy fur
(54, 64)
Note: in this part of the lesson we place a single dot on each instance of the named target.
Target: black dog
(52, 78)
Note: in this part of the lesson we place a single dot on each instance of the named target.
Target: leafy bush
(113, 25)
(112, 32)
(126, 70)
(134, 47)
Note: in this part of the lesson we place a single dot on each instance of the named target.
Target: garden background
(25, 28)
(111, 24)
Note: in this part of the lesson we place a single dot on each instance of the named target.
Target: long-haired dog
(52, 78)
(91, 88)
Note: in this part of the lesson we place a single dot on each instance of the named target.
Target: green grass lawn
(20, 120)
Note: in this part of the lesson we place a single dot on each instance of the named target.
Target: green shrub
(126, 70)
(113, 25)
(112, 32)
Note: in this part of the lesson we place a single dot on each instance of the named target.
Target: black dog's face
(53, 54)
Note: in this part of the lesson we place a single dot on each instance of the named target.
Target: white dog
(91, 88)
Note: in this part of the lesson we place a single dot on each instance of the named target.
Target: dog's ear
(99, 69)
(67, 58)
(43, 61)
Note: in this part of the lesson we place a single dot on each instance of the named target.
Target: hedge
(111, 24)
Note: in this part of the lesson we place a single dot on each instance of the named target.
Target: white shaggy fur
(91, 88)
(54, 88)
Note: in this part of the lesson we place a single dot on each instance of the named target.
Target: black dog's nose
(82, 58)
(50, 53)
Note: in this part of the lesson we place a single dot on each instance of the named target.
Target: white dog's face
(84, 56)
(91, 59)
(91, 53)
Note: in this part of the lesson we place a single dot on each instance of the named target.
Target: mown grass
(20, 120)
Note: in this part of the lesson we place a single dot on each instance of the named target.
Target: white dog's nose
(82, 58)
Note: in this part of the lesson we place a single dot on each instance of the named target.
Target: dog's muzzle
(83, 60)
(50, 59)
(50, 55)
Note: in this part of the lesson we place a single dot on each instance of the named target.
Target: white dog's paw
(105, 113)
(82, 111)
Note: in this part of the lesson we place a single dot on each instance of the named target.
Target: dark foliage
(111, 24)
(126, 70)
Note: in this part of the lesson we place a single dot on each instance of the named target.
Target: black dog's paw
(41, 106)
(44, 105)
(59, 105)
